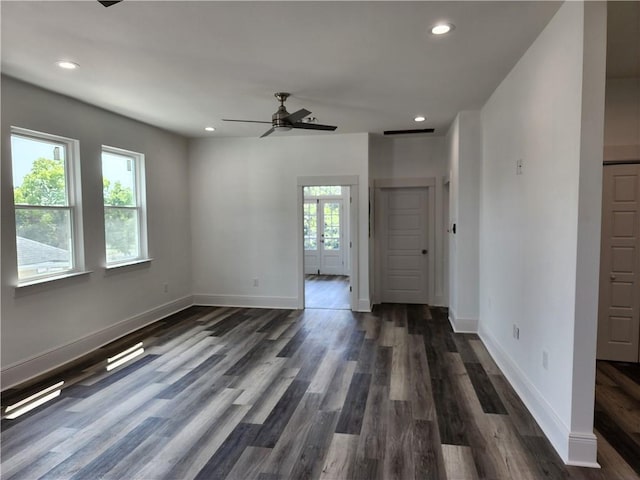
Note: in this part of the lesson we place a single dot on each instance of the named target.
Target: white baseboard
(575, 448)
(25, 370)
(583, 450)
(462, 325)
(246, 301)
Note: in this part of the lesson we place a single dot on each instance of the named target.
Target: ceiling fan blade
(297, 116)
(268, 132)
(313, 126)
(246, 121)
(108, 3)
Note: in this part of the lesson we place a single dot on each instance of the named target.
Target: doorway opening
(326, 245)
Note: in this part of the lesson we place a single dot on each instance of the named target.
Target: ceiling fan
(108, 3)
(283, 120)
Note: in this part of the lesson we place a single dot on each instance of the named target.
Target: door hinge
(318, 271)
(350, 200)
(350, 289)
(350, 245)
(317, 200)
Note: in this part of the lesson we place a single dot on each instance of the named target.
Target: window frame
(138, 160)
(73, 206)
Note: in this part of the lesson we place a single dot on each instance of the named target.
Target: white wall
(464, 152)
(244, 218)
(45, 326)
(622, 119)
(534, 227)
(417, 157)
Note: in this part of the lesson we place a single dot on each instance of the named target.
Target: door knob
(612, 276)
(424, 252)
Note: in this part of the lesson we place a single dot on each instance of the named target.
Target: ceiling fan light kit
(283, 121)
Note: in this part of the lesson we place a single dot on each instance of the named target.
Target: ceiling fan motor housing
(278, 118)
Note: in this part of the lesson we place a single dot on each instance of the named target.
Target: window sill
(133, 263)
(40, 283)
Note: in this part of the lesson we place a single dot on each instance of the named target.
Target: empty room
(324, 240)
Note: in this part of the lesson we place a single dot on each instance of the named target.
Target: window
(124, 213)
(47, 219)
(323, 191)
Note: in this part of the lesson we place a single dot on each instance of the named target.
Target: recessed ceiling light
(67, 65)
(419, 118)
(209, 129)
(442, 28)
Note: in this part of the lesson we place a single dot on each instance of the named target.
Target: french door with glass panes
(323, 237)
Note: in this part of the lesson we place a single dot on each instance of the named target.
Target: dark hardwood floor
(327, 291)
(229, 393)
(617, 415)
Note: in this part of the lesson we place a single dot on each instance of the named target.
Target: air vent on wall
(406, 132)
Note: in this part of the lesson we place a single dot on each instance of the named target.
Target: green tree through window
(46, 214)
(123, 191)
(120, 224)
(43, 185)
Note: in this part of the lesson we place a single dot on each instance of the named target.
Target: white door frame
(430, 184)
(352, 182)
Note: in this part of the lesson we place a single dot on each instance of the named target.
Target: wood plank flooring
(617, 415)
(231, 393)
(327, 291)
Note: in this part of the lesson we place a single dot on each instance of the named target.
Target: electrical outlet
(545, 360)
(165, 288)
(519, 166)
(256, 282)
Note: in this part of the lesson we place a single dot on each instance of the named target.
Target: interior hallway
(327, 291)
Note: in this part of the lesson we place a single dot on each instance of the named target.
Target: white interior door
(618, 312)
(323, 237)
(403, 245)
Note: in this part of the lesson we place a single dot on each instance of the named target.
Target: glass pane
(43, 241)
(121, 234)
(118, 180)
(331, 213)
(332, 244)
(322, 191)
(38, 172)
(310, 226)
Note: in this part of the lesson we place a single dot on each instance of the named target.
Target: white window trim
(141, 207)
(72, 179)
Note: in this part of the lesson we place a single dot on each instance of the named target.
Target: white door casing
(404, 245)
(618, 311)
(352, 182)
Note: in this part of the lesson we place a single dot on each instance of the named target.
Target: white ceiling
(364, 66)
